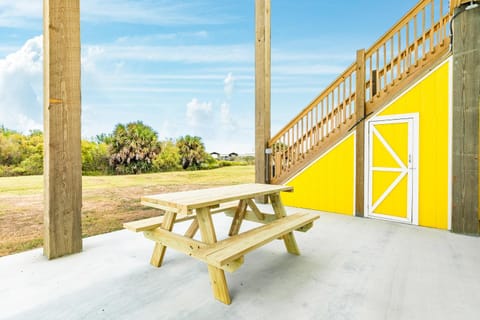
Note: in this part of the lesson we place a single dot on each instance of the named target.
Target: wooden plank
(192, 229)
(251, 216)
(466, 111)
(262, 90)
(217, 275)
(62, 134)
(159, 250)
(266, 218)
(255, 209)
(360, 113)
(155, 222)
(190, 247)
(289, 238)
(235, 247)
(238, 218)
(183, 202)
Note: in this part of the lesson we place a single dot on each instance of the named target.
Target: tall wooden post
(262, 89)
(466, 107)
(62, 107)
(360, 134)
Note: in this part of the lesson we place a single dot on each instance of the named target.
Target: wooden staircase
(415, 44)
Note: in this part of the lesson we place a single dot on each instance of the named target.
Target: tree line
(131, 148)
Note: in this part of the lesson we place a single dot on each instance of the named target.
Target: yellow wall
(328, 184)
(430, 99)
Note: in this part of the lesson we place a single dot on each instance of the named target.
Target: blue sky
(187, 67)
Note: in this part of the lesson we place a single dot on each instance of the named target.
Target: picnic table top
(185, 201)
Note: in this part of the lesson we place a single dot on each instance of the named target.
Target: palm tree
(133, 147)
(191, 150)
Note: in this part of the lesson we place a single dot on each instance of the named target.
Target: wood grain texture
(238, 218)
(360, 107)
(192, 229)
(262, 89)
(185, 201)
(217, 275)
(466, 105)
(235, 247)
(62, 136)
(155, 222)
(159, 250)
(289, 238)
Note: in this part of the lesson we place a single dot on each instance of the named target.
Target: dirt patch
(104, 210)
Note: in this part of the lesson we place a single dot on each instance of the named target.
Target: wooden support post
(466, 105)
(217, 275)
(262, 91)
(62, 108)
(360, 134)
(159, 250)
(289, 238)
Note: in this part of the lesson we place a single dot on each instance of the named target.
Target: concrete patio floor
(350, 268)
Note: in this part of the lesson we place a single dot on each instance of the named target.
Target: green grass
(107, 201)
(26, 185)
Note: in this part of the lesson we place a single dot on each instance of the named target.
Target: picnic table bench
(228, 254)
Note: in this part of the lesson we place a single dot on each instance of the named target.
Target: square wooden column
(62, 114)
(360, 135)
(262, 89)
(466, 112)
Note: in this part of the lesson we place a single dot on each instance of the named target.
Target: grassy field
(108, 201)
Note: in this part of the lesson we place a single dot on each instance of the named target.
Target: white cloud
(21, 14)
(182, 53)
(229, 82)
(151, 12)
(228, 122)
(28, 13)
(198, 113)
(21, 87)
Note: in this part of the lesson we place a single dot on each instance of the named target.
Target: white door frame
(412, 167)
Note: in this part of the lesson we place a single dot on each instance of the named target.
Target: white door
(392, 168)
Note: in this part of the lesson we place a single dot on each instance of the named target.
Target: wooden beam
(217, 275)
(159, 250)
(466, 107)
(62, 108)
(262, 90)
(360, 107)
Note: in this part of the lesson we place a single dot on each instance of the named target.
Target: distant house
(228, 157)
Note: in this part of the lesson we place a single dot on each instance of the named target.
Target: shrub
(168, 159)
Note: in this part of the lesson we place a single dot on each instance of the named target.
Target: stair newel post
(262, 92)
(360, 113)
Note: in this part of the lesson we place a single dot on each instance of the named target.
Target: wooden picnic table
(224, 255)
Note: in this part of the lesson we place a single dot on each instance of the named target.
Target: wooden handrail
(314, 102)
(394, 56)
(405, 19)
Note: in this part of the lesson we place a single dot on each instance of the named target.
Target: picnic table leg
(289, 239)
(159, 250)
(190, 233)
(238, 218)
(217, 276)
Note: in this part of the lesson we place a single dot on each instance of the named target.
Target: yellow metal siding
(328, 184)
(430, 99)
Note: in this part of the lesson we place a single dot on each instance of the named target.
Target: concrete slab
(350, 268)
